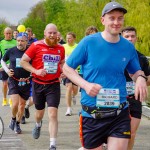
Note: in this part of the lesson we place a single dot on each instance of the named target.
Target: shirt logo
(44, 50)
(51, 58)
(127, 133)
(124, 59)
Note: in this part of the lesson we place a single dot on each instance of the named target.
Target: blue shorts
(95, 132)
(49, 93)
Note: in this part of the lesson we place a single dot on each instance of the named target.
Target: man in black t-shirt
(18, 84)
(135, 106)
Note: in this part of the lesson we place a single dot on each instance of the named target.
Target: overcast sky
(14, 10)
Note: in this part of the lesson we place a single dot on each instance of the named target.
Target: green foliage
(36, 20)
(77, 15)
(2, 27)
(139, 17)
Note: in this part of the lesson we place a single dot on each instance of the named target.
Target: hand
(92, 89)
(62, 75)
(141, 91)
(41, 72)
(10, 72)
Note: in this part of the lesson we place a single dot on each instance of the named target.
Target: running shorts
(95, 132)
(14, 88)
(49, 93)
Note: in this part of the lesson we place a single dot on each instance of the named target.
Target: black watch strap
(144, 77)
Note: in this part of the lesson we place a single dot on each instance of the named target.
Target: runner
(104, 56)
(135, 106)
(47, 59)
(71, 88)
(19, 84)
(6, 43)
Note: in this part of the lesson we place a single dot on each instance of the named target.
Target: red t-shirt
(44, 56)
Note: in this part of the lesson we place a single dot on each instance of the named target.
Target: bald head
(8, 33)
(50, 26)
(7, 29)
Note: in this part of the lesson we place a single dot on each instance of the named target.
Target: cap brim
(122, 9)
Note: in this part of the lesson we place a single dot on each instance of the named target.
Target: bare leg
(135, 122)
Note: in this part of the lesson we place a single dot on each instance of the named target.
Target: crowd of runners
(104, 66)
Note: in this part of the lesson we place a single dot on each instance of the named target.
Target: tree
(77, 15)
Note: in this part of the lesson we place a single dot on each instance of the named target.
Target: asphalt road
(68, 134)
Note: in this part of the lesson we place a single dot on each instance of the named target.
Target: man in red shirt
(47, 59)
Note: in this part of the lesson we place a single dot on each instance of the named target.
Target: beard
(21, 47)
(51, 41)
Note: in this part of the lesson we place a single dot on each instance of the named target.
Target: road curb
(146, 111)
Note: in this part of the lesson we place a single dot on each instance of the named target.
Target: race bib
(108, 98)
(130, 87)
(51, 63)
(51, 67)
(18, 63)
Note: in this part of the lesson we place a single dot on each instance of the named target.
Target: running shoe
(17, 128)
(26, 113)
(23, 120)
(12, 124)
(36, 131)
(68, 112)
(10, 102)
(52, 147)
(4, 103)
(74, 100)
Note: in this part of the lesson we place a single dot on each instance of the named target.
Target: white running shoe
(68, 112)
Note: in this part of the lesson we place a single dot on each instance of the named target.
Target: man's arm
(10, 72)
(27, 66)
(91, 89)
(141, 91)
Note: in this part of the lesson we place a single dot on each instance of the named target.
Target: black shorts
(66, 80)
(95, 132)
(49, 93)
(14, 88)
(135, 107)
(3, 76)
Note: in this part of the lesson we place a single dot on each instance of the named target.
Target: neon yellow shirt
(69, 49)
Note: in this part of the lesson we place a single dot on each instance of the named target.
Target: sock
(68, 108)
(13, 118)
(17, 122)
(52, 141)
(27, 106)
(38, 124)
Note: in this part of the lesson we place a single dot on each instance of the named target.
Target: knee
(53, 116)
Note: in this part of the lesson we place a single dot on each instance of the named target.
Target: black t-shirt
(144, 63)
(14, 55)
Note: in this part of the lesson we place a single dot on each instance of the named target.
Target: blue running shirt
(104, 63)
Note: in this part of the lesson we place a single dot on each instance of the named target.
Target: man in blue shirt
(104, 56)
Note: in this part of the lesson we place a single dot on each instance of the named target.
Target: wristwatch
(144, 77)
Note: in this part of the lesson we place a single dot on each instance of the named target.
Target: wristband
(144, 77)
